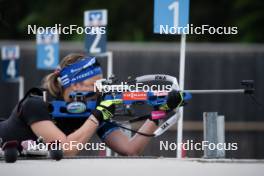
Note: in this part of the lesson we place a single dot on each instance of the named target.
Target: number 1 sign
(47, 50)
(170, 14)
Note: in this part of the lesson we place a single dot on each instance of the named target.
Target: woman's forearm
(138, 141)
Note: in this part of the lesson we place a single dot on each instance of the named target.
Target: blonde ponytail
(52, 84)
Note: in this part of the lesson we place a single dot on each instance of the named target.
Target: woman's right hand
(175, 99)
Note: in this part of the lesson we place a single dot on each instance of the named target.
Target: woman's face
(84, 86)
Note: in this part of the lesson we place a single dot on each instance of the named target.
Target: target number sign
(10, 55)
(170, 14)
(95, 20)
(47, 50)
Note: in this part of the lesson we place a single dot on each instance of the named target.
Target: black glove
(174, 100)
(105, 110)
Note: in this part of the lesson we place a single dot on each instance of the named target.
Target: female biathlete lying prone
(31, 118)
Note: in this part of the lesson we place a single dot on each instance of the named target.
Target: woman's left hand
(106, 109)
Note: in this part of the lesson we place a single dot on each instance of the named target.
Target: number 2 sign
(95, 43)
(10, 56)
(47, 50)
